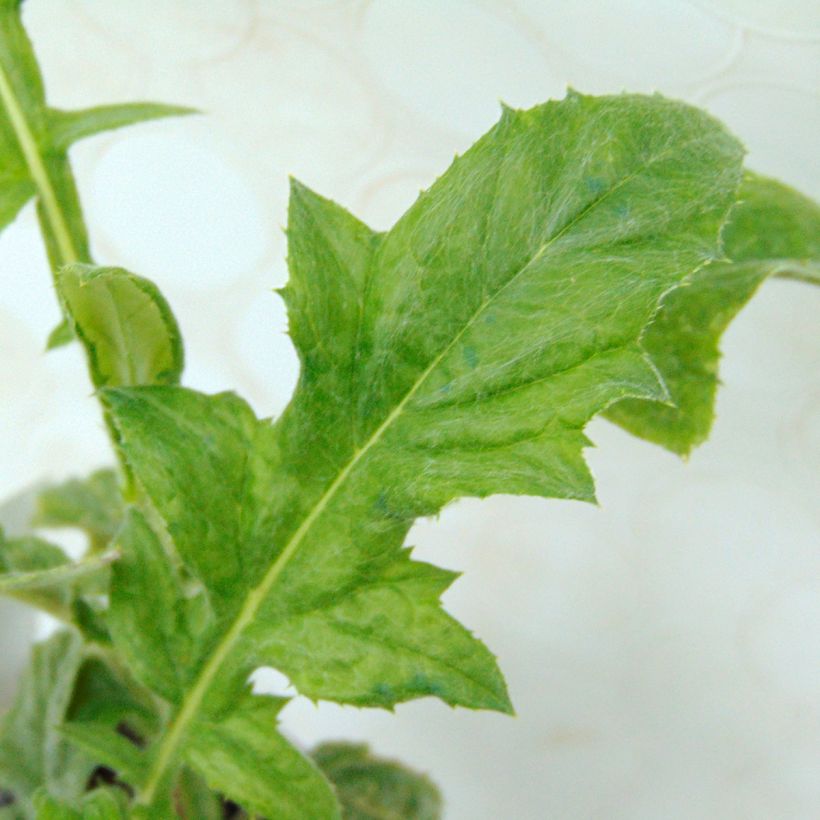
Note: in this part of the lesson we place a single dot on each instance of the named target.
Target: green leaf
(34, 143)
(57, 576)
(773, 231)
(110, 718)
(27, 556)
(125, 324)
(60, 335)
(243, 757)
(93, 505)
(775, 225)
(32, 752)
(106, 697)
(68, 127)
(371, 788)
(104, 744)
(148, 619)
(40, 574)
(101, 804)
(461, 353)
(194, 799)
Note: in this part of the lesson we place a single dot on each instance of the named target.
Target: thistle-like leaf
(773, 231)
(461, 353)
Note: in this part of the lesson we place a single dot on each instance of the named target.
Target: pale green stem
(39, 174)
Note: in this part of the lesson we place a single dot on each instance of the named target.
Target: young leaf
(126, 326)
(371, 788)
(461, 353)
(68, 127)
(34, 143)
(26, 557)
(93, 505)
(32, 752)
(40, 574)
(773, 231)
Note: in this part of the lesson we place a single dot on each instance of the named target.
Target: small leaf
(125, 324)
(32, 752)
(372, 788)
(68, 127)
(773, 231)
(61, 335)
(30, 555)
(40, 574)
(93, 505)
(58, 576)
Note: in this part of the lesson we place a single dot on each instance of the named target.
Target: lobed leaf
(461, 353)
(774, 230)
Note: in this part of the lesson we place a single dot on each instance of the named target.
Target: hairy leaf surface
(371, 788)
(126, 326)
(33, 755)
(93, 505)
(100, 804)
(461, 353)
(774, 230)
(241, 755)
(40, 574)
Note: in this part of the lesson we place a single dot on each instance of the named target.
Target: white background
(663, 650)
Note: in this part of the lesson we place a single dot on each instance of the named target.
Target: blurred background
(663, 650)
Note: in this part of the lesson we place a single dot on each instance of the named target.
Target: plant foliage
(583, 257)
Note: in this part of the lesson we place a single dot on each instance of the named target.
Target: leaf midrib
(168, 747)
(37, 168)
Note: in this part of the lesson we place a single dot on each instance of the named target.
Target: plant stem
(28, 145)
